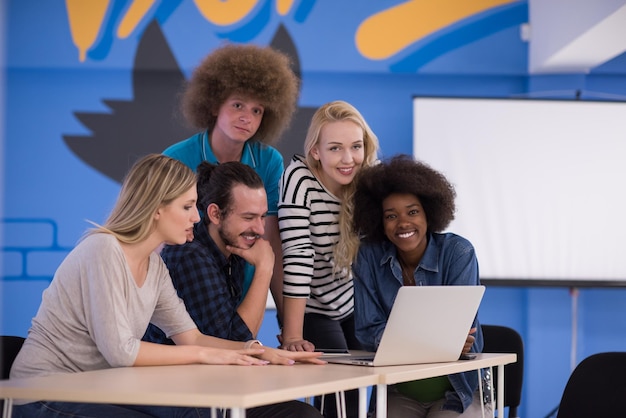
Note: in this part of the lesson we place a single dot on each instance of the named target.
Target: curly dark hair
(259, 72)
(401, 174)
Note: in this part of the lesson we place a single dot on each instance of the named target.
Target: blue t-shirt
(264, 159)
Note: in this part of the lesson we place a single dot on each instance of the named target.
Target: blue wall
(58, 109)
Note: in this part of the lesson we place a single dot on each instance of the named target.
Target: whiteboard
(541, 184)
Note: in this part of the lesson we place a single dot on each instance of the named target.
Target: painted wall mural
(96, 85)
(406, 36)
(91, 85)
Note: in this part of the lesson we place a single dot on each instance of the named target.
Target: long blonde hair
(348, 244)
(153, 181)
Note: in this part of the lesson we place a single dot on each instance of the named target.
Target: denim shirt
(449, 260)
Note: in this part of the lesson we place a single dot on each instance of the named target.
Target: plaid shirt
(209, 284)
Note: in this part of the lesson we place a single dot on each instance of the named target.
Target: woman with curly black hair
(401, 208)
(242, 98)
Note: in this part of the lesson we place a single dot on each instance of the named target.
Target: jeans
(92, 410)
(291, 409)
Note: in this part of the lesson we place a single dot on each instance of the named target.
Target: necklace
(407, 275)
(407, 278)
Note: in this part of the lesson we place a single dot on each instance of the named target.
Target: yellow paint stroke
(388, 32)
(85, 19)
(224, 12)
(133, 16)
(283, 6)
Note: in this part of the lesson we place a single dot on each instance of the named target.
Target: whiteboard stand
(574, 292)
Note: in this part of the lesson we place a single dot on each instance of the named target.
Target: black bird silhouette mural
(152, 121)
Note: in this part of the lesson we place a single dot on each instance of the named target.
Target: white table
(390, 375)
(233, 387)
(205, 386)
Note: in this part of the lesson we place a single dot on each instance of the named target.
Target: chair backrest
(501, 339)
(596, 388)
(9, 347)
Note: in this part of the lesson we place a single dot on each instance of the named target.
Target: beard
(231, 239)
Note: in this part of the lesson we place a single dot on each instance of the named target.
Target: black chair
(9, 347)
(500, 339)
(596, 388)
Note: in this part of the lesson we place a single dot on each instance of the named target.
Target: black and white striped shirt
(308, 217)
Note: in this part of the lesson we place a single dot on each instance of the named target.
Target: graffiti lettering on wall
(406, 34)
(383, 35)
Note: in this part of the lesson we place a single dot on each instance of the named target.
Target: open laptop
(427, 324)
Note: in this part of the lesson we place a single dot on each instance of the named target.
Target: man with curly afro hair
(241, 98)
(402, 206)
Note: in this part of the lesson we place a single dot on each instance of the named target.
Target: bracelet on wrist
(250, 343)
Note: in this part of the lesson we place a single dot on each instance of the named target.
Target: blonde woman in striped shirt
(314, 215)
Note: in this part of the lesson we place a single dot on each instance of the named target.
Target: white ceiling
(574, 36)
